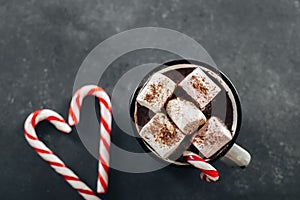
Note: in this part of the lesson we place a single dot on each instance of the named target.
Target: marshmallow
(211, 137)
(185, 115)
(200, 87)
(162, 135)
(156, 92)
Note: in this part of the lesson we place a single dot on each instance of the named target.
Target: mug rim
(220, 153)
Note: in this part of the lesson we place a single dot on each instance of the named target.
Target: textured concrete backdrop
(256, 43)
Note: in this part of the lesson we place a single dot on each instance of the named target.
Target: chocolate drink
(220, 102)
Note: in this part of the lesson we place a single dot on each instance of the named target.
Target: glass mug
(225, 106)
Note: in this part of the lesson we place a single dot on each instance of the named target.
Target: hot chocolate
(194, 104)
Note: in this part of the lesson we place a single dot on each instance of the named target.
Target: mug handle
(237, 157)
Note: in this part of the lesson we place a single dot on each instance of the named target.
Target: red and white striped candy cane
(58, 165)
(208, 172)
(105, 128)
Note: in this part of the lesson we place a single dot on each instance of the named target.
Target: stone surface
(256, 43)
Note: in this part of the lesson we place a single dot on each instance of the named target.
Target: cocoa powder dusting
(166, 136)
(197, 84)
(199, 139)
(155, 127)
(155, 90)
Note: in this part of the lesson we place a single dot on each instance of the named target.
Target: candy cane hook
(105, 128)
(57, 164)
(208, 172)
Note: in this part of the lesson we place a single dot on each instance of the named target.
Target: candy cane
(58, 165)
(105, 128)
(208, 172)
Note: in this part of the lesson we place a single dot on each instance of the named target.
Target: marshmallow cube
(162, 135)
(156, 92)
(185, 115)
(200, 87)
(211, 137)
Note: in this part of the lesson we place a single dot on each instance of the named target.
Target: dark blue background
(256, 43)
